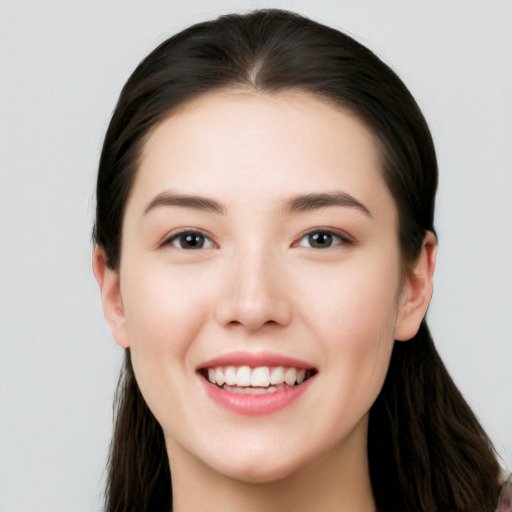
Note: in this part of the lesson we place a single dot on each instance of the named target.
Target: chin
(259, 468)
(251, 474)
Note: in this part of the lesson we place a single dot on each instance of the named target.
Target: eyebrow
(308, 202)
(300, 203)
(185, 201)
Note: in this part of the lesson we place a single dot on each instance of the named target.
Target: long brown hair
(427, 451)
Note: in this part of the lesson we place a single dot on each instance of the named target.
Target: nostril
(267, 322)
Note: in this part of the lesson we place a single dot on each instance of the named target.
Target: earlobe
(417, 291)
(113, 310)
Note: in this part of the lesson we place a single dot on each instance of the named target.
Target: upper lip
(255, 359)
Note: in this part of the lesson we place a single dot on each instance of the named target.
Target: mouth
(257, 380)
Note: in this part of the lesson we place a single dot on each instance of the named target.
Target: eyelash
(342, 239)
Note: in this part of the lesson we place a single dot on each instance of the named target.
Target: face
(260, 289)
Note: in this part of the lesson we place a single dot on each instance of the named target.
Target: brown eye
(322, 240)
(191, 240)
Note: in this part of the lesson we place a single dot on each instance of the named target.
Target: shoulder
(505, 499)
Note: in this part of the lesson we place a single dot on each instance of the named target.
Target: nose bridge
(255, 267)
(255, 293)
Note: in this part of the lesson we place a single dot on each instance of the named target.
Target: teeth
(219, 376)
(230, 375)
(243, 376)
(255, 379)
(251, 391)
(290, 376)
(277, 375)
(255, 391)
(260, 377)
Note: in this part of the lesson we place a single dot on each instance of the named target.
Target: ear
(417, 291)
(113, 310)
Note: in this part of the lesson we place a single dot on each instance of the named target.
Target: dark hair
(427, 451)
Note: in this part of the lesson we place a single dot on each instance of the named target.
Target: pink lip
(254, 405)
(254, 359)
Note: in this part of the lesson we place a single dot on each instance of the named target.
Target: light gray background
(62, 64)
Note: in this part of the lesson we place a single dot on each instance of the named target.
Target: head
(271, 73)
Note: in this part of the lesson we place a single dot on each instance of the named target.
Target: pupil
(320, 240)
(192, 241)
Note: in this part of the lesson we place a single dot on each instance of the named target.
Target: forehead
(241, 143)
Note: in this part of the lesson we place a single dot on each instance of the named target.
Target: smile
(255, 384)
(258, 380)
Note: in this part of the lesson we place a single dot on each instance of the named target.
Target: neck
(339, 481)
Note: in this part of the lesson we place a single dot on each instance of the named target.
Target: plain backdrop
(62, 65)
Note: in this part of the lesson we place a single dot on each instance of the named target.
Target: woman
(265, 250)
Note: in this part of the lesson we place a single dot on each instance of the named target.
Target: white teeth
(277, 375)
(230, 375)
(255, 391)
(260, 377)
(235, 389)
(290, 376)
(219, 376)
(301, 375)
(243, 376)
(251, 391)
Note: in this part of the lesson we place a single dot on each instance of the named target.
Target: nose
(254, 291)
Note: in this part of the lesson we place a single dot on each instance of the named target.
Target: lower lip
(255, 405)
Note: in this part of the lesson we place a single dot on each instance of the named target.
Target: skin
(257, 285)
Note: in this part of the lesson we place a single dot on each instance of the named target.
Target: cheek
(355, 319)
(164, 311)
(360, 342)
(358, 300)
(163, 304)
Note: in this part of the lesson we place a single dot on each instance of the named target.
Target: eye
(190, 240)
(322, 239)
